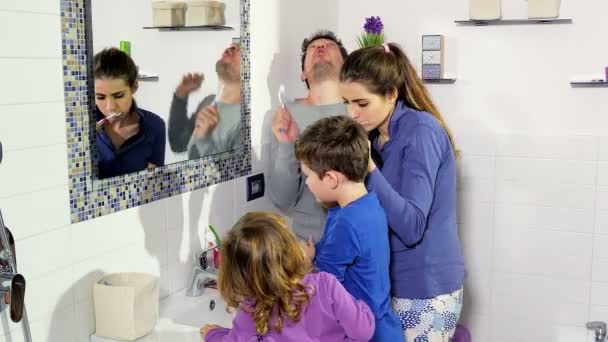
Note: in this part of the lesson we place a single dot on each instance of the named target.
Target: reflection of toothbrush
(282, 101)
(214, 240)
(106, 119)
(216, 99)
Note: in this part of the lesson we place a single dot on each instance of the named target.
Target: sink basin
(196, 311)
(181, 317)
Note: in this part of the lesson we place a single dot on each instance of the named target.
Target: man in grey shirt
(215, 126)
(322, 56)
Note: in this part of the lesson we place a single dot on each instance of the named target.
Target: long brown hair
(383, 72)
(261, 270)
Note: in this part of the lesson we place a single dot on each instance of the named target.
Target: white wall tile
(534, 252)
(21, 171)
(43, 122)
(475, 191)
(84, 325)
(477, 167)
(601, 222)
(144, 225)
(37, 6)
(550, 147)
(528, 170)
(599, 293)
(599, 271)
(194, 211)
(553, 195)
(600, 247)
(41, 40)
(131, 258)
(32, 81)
(519, 330)
(476, 144)
(50, 207)
(42, 254)
(549, 218)
(603, 148)
(601, 201)
(535, 298)
(475, 232)
(602, 173)
(49, 293)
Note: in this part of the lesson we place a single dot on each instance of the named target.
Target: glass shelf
(439, 80)
(589, 84)
(191, 28)
(524, 21)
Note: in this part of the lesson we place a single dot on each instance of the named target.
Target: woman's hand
(371, 166)
(207, 328)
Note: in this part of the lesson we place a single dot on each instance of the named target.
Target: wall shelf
(589, 84)
(523, 21)
(191, 28)
(439, 80)
(146, 76)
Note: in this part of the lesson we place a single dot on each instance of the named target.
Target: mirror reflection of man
(215, 126)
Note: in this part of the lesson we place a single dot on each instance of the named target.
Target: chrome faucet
(600, 330)
(202, 273)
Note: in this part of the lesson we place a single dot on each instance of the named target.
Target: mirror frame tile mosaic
(91, 197)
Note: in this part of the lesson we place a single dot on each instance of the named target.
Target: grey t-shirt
(286, 187)
(226, 136)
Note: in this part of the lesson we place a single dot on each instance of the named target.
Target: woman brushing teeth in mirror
(128, 138)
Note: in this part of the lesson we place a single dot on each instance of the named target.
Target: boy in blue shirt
(333, 155)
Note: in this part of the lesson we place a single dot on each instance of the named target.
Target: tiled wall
(532, 181)
(61, 261)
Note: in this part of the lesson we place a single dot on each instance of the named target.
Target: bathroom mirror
(150, 143)
(178, 95)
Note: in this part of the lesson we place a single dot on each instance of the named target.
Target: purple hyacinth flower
(373, 25)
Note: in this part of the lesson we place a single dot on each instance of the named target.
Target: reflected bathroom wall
(200, 64)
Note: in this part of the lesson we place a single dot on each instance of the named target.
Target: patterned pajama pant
(429, 320)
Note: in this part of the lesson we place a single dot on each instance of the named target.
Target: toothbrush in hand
(281, 95)
(106, 119)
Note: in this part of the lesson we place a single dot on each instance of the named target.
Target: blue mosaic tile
(90, 197)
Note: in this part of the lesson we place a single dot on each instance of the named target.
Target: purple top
(331, 315)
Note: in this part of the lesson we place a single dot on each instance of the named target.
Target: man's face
(228, 67)
(323, 60)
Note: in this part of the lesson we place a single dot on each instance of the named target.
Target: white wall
(533, 175)
(533, 180)
(59, 260)
(169, 54)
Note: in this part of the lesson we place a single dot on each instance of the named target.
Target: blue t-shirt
(354, 247)
(147, 146)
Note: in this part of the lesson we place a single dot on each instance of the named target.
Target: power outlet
(255, 187)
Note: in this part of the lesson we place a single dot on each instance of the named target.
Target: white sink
(181, 317)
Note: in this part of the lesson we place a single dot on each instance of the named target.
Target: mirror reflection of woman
(129, 139)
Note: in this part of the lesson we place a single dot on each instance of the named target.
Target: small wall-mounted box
(166, 13)
(202, 12)
(432, 56)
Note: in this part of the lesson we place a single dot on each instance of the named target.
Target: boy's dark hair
(114, 63)
(335, 143)
(322, 34)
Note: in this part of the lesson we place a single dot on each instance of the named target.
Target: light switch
(255, 187)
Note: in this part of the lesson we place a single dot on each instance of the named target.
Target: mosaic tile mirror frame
(91, 197)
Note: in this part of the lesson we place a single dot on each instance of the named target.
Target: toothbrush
(281, 96)
(217, 96)
(106, 119)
